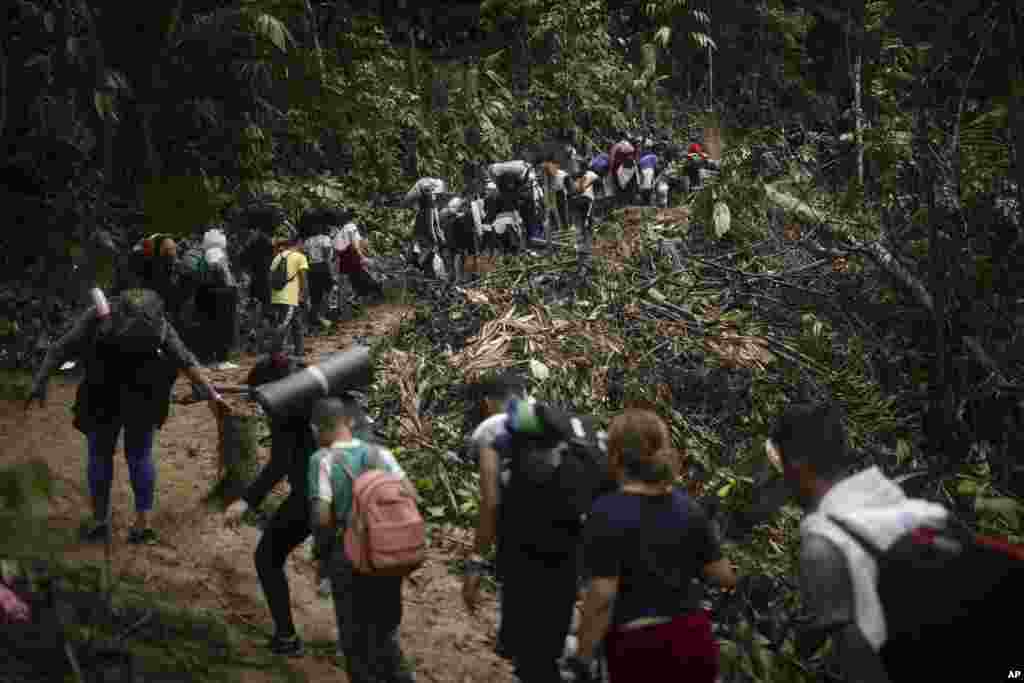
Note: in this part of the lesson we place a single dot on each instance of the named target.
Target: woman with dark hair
(645, 544)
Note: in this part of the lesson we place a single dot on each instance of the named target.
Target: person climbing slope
(291, 444)
(289, 287)
(645, 544)
(368, 607)
(132, 355)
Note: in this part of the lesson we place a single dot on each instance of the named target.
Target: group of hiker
(524, 202)
(576, 515)
(573, 511)
(293, 273)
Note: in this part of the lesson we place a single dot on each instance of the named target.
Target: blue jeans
(138, 450)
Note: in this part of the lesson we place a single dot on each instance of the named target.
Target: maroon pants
(682, 649)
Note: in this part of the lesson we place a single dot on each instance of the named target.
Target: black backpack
(947, 596)
(554, 479)
(279, 274)
(137, 325)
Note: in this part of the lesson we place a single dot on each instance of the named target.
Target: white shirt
(344, 239)
(589, 179)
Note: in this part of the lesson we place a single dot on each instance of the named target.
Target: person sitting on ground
(132, 355)
(809, 443)
(368, 609)
(287, 302)
(645, 544)
(353, 259)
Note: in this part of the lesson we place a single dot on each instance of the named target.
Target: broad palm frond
(221, 29)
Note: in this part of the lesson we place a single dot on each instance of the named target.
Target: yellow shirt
(296, 263)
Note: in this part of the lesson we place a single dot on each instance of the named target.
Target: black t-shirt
(657, 545)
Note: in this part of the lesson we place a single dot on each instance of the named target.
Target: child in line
(368, 609)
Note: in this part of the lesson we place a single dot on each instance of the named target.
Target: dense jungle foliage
(873, 164)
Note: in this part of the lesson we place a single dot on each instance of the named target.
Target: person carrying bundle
(428, 239)
(518, 191)
(622, 170)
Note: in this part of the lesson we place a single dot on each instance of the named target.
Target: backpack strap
(866, 545)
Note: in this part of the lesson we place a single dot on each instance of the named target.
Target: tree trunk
(521, 76)
(938, 424)
(312, 30)
(1017, 114)
(101, 86)
(3, 80)
(855, 40)
(151, 104)
(410, 136)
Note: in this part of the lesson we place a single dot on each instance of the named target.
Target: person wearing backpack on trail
(645, 544)
(351, 249)
(217, 302)
(698, 163)
(362, 430)
(322, 266)
(289, 288)
(368, 607)
(809, 442)
(518, 190)
(292, 442)
(555, 196)
(537, 528)
(158, 269)
(256, 258)
(583, 217)
(132, 355)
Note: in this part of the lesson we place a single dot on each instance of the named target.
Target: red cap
(695, 148)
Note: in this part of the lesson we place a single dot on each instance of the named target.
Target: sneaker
(139, 536)
(94, 532)
(290, 646)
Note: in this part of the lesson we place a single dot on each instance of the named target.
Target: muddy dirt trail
(200, 563)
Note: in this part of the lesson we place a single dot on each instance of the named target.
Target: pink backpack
(386, 535)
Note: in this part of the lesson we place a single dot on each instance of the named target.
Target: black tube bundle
(295, 393)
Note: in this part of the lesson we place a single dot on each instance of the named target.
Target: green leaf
(722, 219)
(539, 370)
(435, 511)
(1007, 508)
(967, 487)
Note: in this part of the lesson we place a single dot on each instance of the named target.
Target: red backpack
(386, 535)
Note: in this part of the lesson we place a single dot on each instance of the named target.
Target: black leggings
(537, 599)
(285, 532)
(320, 285)
(217, 309)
